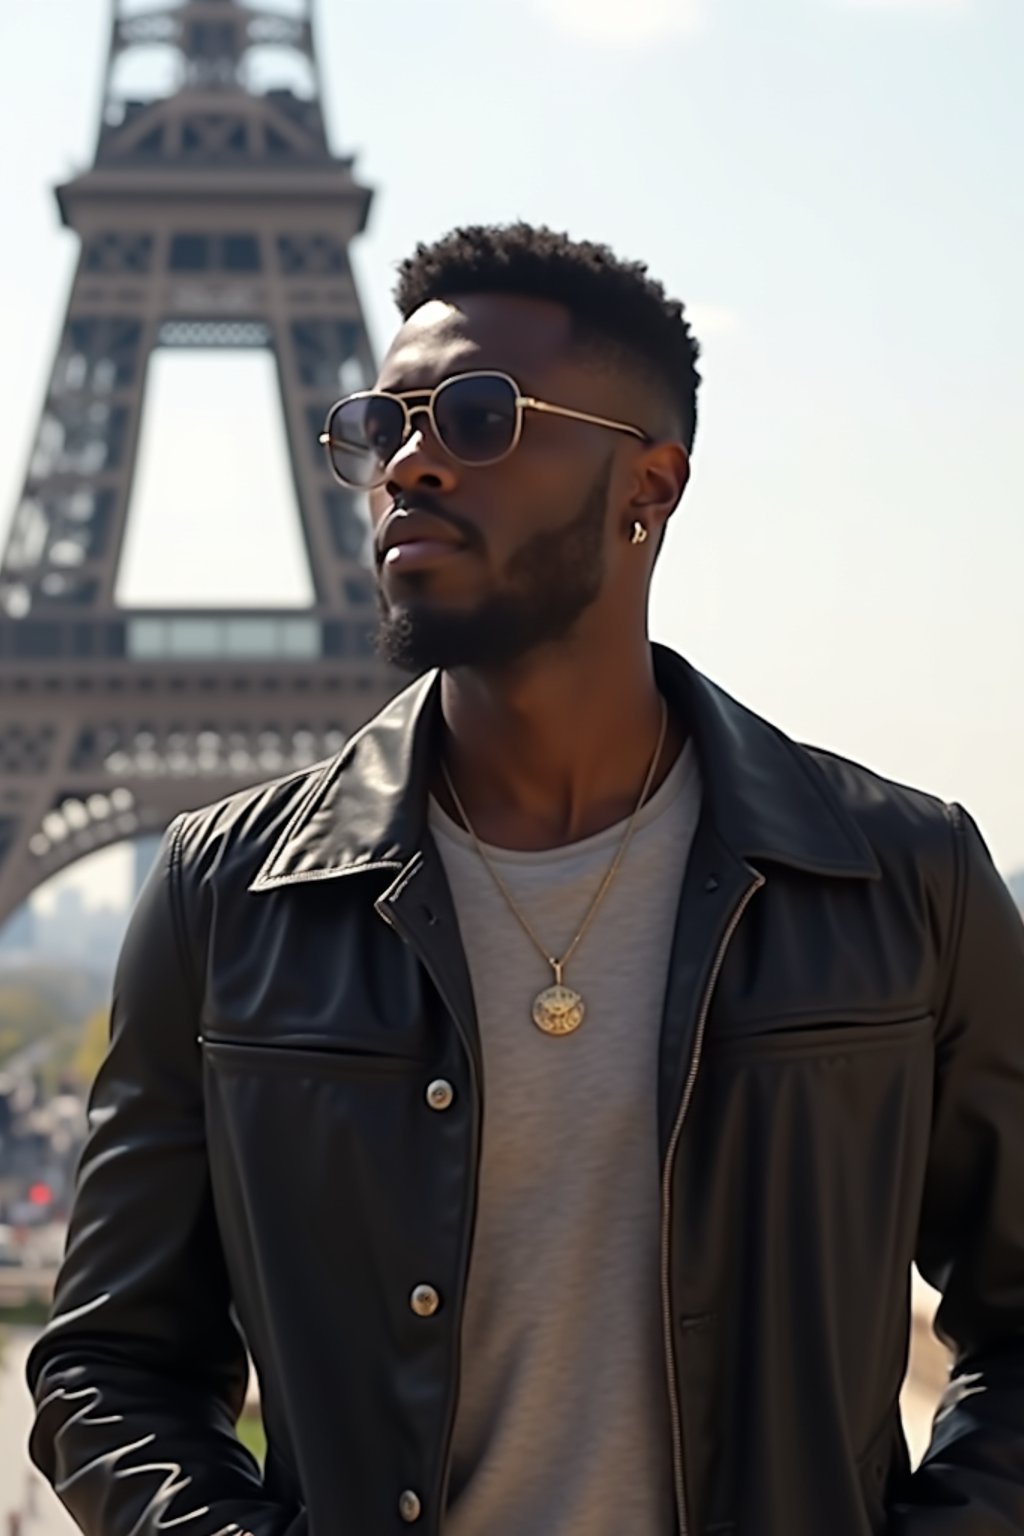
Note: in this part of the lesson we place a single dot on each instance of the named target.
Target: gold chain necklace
(559, 1010)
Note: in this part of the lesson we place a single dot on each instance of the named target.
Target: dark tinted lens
(476, 417)
(365, 434)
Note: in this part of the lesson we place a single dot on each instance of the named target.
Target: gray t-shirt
(563, 1424)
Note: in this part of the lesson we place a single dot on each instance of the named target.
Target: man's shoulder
(235, 834)
(802, 804)
(902, 823)
(233, 838)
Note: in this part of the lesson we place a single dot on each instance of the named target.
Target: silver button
(424, 1301)
(440, 1094)
(409, 1506)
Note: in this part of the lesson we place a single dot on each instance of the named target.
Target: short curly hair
(615, 306)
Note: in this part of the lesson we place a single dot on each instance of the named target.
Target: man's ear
(660, 478)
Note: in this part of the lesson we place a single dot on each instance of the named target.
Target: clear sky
(833, 186)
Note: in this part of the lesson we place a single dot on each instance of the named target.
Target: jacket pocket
(828, 1040)
(302, 1057)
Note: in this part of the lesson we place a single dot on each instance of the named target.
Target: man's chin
(416, 637)
(399, 642)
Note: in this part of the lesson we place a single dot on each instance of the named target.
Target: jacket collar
(768, 798)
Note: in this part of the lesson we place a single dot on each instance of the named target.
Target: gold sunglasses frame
(523, 403)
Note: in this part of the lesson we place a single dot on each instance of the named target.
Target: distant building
(18, 937)
(73, 933)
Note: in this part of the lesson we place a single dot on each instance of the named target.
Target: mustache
(424, 502)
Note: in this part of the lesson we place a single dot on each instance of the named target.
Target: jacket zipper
(666, 1201)
(390, 918)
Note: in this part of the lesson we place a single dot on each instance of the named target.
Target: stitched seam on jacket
(270, 882)
(174, 869)
(837, 1041)
(805, 1018)
(957, 908)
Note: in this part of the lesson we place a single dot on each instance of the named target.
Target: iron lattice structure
(214, 215)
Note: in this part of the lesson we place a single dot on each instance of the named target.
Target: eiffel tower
(213, 216)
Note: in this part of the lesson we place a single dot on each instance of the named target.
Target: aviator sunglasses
(476, 417)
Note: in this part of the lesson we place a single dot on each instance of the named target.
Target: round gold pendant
(558, 1010)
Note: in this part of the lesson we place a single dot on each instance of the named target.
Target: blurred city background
(833, 187)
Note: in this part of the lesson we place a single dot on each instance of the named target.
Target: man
(554, 1088)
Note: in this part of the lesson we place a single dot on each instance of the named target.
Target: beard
(545, 586)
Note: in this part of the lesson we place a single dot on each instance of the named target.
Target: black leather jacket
(841, 1092)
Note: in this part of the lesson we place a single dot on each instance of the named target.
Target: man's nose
(421, 461)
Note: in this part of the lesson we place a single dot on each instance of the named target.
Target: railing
(192, 636)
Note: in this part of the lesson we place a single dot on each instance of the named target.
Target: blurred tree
(25, 1016)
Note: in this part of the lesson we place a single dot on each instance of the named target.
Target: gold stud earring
(638, 534)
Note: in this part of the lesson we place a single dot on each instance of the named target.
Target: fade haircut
(616, 308)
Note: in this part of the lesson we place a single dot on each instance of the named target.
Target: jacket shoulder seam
(175, 862)
(957, 907)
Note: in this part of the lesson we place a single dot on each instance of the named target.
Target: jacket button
(409, 1506)
(424, 1301)
(440, 1094)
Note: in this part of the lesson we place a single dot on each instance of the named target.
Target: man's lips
(408, 536)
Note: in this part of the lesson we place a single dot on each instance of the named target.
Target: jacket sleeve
(971, 1241)
(140, 1375)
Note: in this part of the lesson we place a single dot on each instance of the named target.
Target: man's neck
(558, 747)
